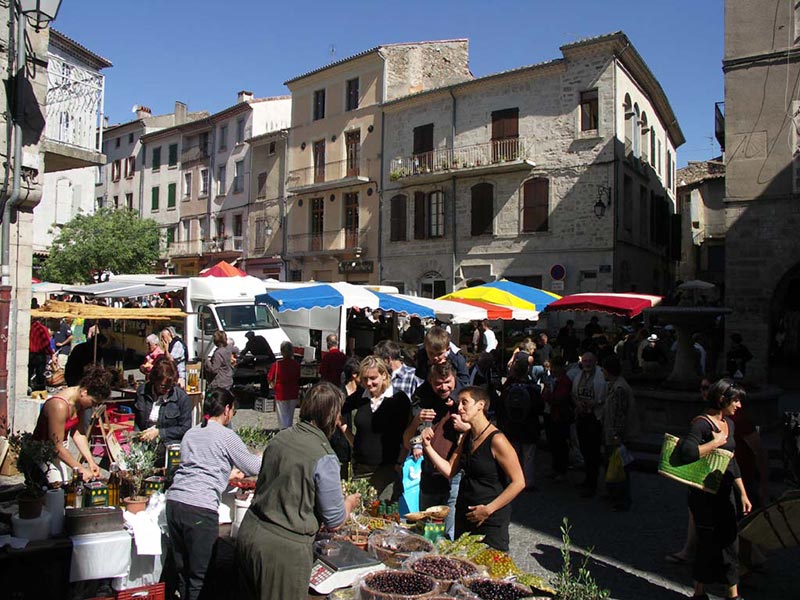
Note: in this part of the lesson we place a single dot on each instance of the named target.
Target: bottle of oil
(69, 489)
(113, 485)
(79, 491)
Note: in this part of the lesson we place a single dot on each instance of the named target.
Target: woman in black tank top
(492, 473)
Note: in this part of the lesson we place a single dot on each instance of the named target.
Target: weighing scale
(339, 564)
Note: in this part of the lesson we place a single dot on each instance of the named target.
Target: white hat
(653, 338)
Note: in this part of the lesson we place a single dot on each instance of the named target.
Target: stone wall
(412, 68)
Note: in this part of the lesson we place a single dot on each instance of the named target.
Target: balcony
(184, 248)
(330, 175)
(336, 241)
(74, 109)
(195, 152)
(496, 156)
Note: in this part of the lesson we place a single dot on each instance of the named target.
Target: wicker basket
(392, 547)
(705, 473)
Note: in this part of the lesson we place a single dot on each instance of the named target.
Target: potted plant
(32, 459)
(137, 464)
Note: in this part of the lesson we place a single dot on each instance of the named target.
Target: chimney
(244, 96)
(180, 113)
(143, 112)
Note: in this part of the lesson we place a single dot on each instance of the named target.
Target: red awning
(623, 305)
(498, 311)
(222, 269)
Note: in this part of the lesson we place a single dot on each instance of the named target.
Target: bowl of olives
(486, 588)
(391, 584)
(444, 569)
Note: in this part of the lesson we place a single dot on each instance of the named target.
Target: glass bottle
(113, 485)
(79, 490)
(69, 489)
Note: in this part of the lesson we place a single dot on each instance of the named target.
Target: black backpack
(518, 403)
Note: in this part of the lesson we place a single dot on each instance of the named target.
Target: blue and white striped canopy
(341, 294)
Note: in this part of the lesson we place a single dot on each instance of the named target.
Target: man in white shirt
(489, 336)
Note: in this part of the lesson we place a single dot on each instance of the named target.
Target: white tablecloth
(100, 555)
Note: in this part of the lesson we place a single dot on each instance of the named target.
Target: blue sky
(202, 52)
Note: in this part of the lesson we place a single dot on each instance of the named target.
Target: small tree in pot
(137, 464)
(33, 456)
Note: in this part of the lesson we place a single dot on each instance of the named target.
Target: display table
(100, 555)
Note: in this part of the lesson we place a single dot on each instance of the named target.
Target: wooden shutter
(262, 185)
(420, 216)
(482, 209)
(535, 210)
(505, 123)
(423, 139)
(398, 219)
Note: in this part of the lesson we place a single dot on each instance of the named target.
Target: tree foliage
(115, 240)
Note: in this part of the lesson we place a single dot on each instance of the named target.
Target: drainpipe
(380, 203)
(284, 220)
(453, 188)
(8, 308)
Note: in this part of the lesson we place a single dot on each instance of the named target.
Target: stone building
(74, 114)
(558, 175)
(335, 153)
(762, 179)
(701, 204)
(196, 181)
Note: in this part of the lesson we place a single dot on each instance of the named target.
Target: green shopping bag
(615, 473)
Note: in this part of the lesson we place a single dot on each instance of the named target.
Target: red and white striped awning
(623, 305)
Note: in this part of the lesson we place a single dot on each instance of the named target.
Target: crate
(264, 404)
(147, 592)
(95, 493)
(116, 416)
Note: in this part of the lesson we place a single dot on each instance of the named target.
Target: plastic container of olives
(397, 584)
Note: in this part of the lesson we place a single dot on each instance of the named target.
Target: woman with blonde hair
(378, 417)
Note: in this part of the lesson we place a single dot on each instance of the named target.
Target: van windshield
(244, 317)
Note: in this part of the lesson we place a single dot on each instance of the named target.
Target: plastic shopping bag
(615, 473)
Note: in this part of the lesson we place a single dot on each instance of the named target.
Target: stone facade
(470, 163)
(762, 274)
(335, 153)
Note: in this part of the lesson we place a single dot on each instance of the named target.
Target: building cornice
(59, 40)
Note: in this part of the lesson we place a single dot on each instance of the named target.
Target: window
(636, 133)
(653, 146)
(204, 182)
(240, 130)
(536, 204)
(589, 111)
(627, 204)
(237, 232)
(99, 203)
(505, 134)
(271, 148)
(154, 199)
(130, 167)
(238, 176)
(221, 173)
(669, 170)
(317, 222)
(115, 170)
(482, 209)
(319, 161)
(130, 138)
(201, 227)
(187, 184)
(432, 287)
(627, 107)
(129, 201)
(353, 150)
(351, 220)
(171, 235)
(645, 131)
(220, 223)
(171, 189)
(223, 137)
(352, 94)
(116, 142)
(423, 148)
(319, 105)
(116, 201)
(436, 214)
(156, 158)
(173, 155)
(397, 218)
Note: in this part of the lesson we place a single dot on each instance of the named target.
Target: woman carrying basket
(716, 559)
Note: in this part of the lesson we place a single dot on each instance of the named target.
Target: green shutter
(154, 205)
(173, 155)
(156, 158)
(171, 195)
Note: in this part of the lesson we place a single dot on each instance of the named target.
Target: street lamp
(603, 193)
(39, 12)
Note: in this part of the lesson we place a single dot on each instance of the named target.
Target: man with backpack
(518, 417)
(176, 348)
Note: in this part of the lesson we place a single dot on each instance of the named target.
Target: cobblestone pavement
(628, 547)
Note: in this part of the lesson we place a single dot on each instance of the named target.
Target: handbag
(704, 474)
(54, 374)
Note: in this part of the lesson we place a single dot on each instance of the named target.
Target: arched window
(535, 204)
(398, 206)
(636, 134)
(627, 108)
(645, 144)
(482, 208)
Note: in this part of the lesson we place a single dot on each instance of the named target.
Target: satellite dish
(135, 108)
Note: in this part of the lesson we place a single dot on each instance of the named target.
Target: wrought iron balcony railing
(328, 172)
(338, 240)
(74, 104)
(487, 154)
